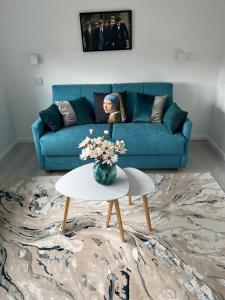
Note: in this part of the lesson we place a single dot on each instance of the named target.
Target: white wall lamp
(34, 59)
(180, 56)
(183, 56)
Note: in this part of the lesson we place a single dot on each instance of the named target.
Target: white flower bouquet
(101, 149)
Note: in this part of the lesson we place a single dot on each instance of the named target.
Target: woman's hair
(114, 99)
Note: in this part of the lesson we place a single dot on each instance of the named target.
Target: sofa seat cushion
(65, 142)
(148, 138)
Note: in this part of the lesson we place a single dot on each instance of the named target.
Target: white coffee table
(80, 184)
(140, 184)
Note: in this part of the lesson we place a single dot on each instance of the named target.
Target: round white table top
(80, 184)
(140, 184)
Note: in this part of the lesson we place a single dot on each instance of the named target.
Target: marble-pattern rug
(183, 258)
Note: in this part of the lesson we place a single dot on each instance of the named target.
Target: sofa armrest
(186, 129)
(38, 129)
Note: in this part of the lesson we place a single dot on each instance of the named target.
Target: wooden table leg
(145, 202)
(109, 212)
(116, 202)
(67, 202)
(130, 200)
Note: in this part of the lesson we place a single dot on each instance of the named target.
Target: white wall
(7, 129)
(217, 122)
(52, 28)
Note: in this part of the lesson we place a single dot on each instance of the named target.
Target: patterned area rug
(183, 258)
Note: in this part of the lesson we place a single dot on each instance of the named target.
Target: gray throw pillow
(67, 112)
(158, 109)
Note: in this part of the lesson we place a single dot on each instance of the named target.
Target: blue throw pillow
(52, 118)
(83, 110)
(143, 108)
(174, 117)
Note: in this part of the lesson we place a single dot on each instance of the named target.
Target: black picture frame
(106, 31)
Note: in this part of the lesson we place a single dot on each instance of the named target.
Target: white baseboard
(199, 138)
(217, 148)
(13, 145)
(8, 150)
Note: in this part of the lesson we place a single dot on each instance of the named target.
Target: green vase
(104, 173)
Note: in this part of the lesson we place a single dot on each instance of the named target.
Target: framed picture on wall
(109, 30)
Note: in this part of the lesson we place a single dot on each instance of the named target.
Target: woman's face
(108, 106)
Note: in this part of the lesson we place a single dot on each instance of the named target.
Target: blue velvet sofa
(149, 145)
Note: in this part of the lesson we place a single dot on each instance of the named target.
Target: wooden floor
(203, 158)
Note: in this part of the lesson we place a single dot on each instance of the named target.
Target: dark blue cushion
(143, 108)
(83, 110)
(159, 89)
(52, 118)
(67, 139)
(148, 139)
(174, 117)
(131, 96)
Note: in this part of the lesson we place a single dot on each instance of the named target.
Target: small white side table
(140, 185)
(80, 184)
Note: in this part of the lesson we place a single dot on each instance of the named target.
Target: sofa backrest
(73, 91)
(151, 88)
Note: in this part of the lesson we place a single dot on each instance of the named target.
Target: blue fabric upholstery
(131, 98)
(51, 117)
(150, 161)
(149, 145)
(66, 140)
(174, 117)
(83, 110)
(74, 91)
(186, 131)
(151, 88)
(148, 138)
(159, 89)
(66, 92)
(89, 89)
(143, 108)
(38, 129)
(136, 161)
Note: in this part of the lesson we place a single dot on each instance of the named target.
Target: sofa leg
(47, 172)
(179, 170)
